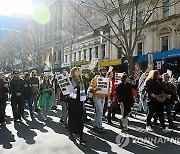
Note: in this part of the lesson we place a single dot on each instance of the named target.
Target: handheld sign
(169, 72)
(65, 84)
(110, 69)
(103, 85)
(118, 77)
(93, 63)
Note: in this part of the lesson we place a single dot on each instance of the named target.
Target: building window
(96, 52)
(119, 54)
(55, 57)
(74, 56)
(103, 51)
(65, 58)
(90, 54)
(139, 48)
(165, 9)
(79, 55)
(59, 55)
(84, 54)
(165, 43)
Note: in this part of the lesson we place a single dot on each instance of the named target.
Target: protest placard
(93, 63)
(103, 85)
(169, 72)
(110, 69)
(65, 84)
(118, 77)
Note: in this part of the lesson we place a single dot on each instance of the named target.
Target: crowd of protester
(151, 93)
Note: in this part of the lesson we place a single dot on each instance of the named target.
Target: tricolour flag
(47, 62)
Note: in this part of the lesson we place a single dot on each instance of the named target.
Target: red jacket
(113, 89)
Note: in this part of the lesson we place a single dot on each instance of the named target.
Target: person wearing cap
(99, 100)
(27, 95)
(125, 98)
(170, 101)
(16, 91)
(3, 91)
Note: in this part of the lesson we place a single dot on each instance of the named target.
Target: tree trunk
(130, 64)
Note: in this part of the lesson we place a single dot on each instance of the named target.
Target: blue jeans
(30, 102)
(99, 105)
(46, 108)
(168, 110)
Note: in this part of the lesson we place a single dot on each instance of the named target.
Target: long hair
(155, 76)
(44, 82)
(74, 77)
(150, 75)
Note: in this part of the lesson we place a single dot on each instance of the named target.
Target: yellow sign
(110, 62)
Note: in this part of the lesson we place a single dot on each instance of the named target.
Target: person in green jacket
(45, 99)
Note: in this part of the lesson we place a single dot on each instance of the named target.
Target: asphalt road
(31, 137)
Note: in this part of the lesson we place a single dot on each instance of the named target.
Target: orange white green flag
(47, 62)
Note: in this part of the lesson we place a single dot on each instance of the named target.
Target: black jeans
(105, 107)
(2, 110)
(156, 107)
(17, 106)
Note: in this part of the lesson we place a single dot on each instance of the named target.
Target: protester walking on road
(157, 95)
(35, 89)
(125, 98)
(56, 89)
(16, 91)
(3, 91)
(111, 96)
(63, 102)
(45, 99)
(99, 100)
(27, 94)
(75, 105)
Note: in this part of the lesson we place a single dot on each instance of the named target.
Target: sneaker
(167, 130)
(82, 141)
(110, 122)
(149, 129)
(174, 118)
(95, 128)
(71, 137)
(53, 107)
(61, 121)
(45, 119)
(125, 128)
(101, 130)
(3, 124)
(65, 125)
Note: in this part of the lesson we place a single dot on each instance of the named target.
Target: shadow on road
(6, 137)
(23, 131)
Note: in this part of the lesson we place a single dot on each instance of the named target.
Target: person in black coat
(16, 91)
(27, 95)
(125, 98)
(158, 95)
(3, 98)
